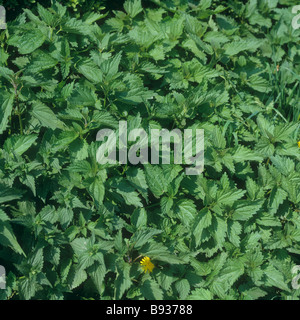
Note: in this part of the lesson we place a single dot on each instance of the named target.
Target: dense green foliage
(71, 228)
(14, 7)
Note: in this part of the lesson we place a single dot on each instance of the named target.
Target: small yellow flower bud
(147, 265)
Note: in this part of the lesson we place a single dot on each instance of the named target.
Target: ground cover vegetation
(71, 228)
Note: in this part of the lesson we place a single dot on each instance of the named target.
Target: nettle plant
(72, 228)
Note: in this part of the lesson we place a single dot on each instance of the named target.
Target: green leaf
(243, 154)
(76, 26)
(137, 178)
(183, 288)
(258, 83)
(85, 260)
(19, 144)
(133, 7)
(6, 106)
(45, 15)
(227, 277)
(29, 181)
(7, 74)
(123, 281)
(7, 238)
(76, 277)
(64, 139)
(80, 245)
(42, 61)
(276, 198)
(157, 251)
(275, 278)
(29, 41)
(104, 118)
(97, 273)
(90, 71)
(97, 190)
(9, 194)
(200, 294)
(202, 221)
(46, 116)
(244, 210)
(142, 236)
(235, 47)
(151, 290)
(166, 204)
(254, 293)
(130, 196)
(110, 67)
(186, 211)
(82, 96)
(139, 218)
(155, 179)
(27, 288)
(65, 216)
(234, 230)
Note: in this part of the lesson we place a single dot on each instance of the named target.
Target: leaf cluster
(71, 228)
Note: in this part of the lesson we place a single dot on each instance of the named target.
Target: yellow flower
(147, 265)
(299, 144)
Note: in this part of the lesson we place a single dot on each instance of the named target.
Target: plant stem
(18, 106)
(152, 205)
(137, 258)
(19, 115)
